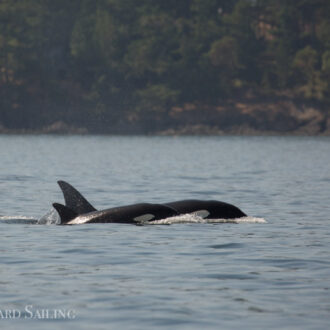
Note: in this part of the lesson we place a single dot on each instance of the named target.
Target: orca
(130, 214)
(207, 209)
(210, 209)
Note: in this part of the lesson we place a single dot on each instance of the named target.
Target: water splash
(50, 218)
(193, 218)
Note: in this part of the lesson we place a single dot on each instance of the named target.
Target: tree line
(96, 63)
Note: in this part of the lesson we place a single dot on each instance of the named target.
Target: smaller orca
(131, 214)
(207, 209)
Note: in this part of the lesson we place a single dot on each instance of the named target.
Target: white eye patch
(202, 213)
(144, 217)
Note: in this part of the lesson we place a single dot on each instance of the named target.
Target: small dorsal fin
(65, 213)
(74, 199)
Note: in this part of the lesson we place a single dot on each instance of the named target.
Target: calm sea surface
(273, 275)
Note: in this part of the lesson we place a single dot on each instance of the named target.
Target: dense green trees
(98, 62)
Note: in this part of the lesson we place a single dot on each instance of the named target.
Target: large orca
(78, 210)
(132, 214)
(205, 209)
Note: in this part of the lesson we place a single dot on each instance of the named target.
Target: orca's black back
(216, 209)
(132, 213)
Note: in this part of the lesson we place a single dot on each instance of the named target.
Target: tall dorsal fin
(65, 213)
(74, 199)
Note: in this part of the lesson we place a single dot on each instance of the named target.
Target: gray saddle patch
(144, 217)
(202, 213)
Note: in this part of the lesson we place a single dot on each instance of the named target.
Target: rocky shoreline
(283, 117)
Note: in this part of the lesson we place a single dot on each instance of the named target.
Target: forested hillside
(143, 66)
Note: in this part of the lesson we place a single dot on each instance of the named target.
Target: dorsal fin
(74, 199)
(65, 213)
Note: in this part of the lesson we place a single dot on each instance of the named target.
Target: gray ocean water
(252, 275)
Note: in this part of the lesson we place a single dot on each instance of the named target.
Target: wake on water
(194, 218)
(18, 219)
(52, 218)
